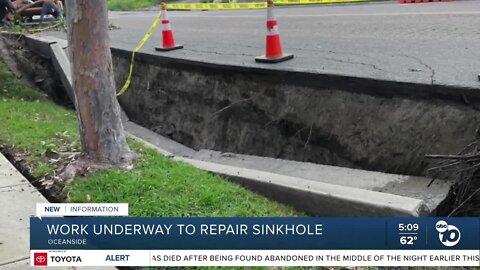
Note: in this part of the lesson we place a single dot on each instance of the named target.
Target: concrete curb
(163, 145)
(315, 198)
(402, 185)
(62, 65)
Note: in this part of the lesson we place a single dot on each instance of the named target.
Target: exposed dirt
(248, 113)
(30, 67)
(464, 197)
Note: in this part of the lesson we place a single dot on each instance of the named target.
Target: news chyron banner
(83, 240)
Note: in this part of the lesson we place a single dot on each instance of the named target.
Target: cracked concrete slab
(18, 199)
(9, 176)
(432, 76)
(18, 265)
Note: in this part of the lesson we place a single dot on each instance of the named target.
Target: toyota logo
(40, 259)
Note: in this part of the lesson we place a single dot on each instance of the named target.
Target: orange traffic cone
(273, 52)
(168, 42)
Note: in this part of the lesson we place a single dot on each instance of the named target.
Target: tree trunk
(101, 130)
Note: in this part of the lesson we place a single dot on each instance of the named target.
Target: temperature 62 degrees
(408, 240)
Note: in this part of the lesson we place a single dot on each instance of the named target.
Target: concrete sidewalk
(18, 199)
(17, 203)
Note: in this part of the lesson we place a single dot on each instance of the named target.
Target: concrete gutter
(315, 189)
(313, 197)
(401, 185)
(317, 198)
(163, 145)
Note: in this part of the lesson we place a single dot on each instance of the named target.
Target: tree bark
(101, 129)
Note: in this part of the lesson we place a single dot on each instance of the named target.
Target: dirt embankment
(32, 68)
(272, 115)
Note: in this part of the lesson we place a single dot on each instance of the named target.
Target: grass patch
(156, 186)
(123, 5)
(32, 124)
(131, 4)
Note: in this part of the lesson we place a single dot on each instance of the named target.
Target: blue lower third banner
(96, 241)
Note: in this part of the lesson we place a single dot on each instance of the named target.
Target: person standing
(5, 7)
(50, 4)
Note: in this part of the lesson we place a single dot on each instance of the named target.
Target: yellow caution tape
(259, 5)
(313, 2)
(303, 2)
(219, 6)
(205, 6)
(139, 46)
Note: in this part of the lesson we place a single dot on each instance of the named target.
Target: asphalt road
(427, 43)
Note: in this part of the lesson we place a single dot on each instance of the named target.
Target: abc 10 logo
(449, 235)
